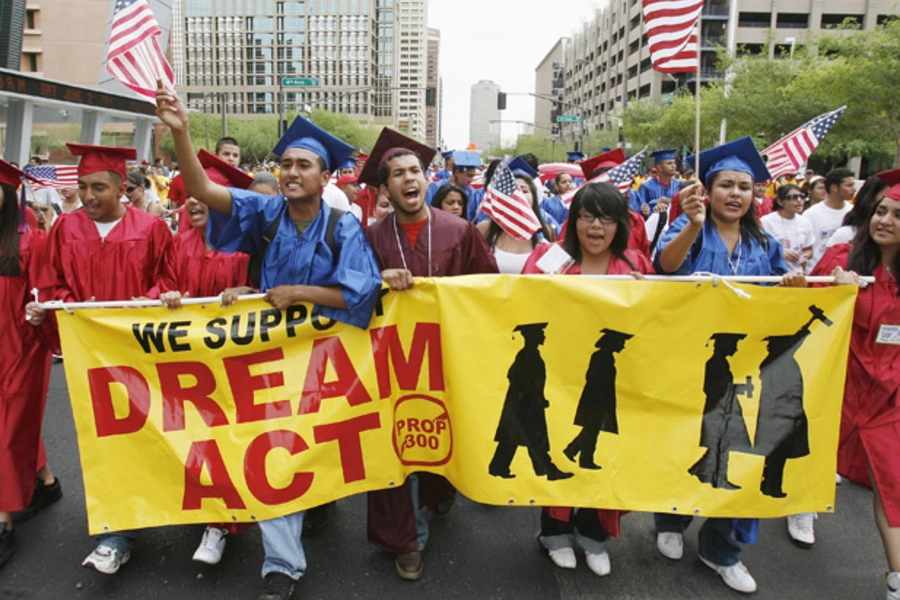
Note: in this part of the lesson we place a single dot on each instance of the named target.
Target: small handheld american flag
(56, 177)
(621, 176)
(672, 33)
(135, 57)
(507, 206)
(790, 152)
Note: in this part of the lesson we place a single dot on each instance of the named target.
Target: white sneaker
(106, 560)
(211, 546)
(737, 577)
(838, 479)
(800, 528)
(564, 558)
(671, 545)
(598, 563)
(893, 585)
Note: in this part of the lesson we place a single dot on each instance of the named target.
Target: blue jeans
(282, 545)
(421, 519)
(717, 543)
(123, 541)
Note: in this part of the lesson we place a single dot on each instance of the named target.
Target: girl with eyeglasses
(792, 230)
(596, 241)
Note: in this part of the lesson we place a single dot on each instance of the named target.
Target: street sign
(300, 82)
(568, 119)
(666, 98)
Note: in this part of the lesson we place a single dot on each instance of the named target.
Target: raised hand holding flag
(134, 56)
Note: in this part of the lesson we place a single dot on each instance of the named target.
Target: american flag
(53, 176)
(134, 56)
(621, 176)
(507, 205)
(672, 33)
(790, 152)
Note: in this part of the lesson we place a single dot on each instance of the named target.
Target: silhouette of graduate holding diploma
(723, 429)
(596, 410)
(782, 429)
(522, 421)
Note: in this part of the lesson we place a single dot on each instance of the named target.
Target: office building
(433, 82)
(608, 63)
(363, 58)
(484, 116)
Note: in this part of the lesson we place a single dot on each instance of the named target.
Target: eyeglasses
(794, 197)
(588, 219)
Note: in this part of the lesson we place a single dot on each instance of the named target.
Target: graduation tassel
(22, 206)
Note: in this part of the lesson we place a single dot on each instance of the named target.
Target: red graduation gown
(457, 248)
(609, 519)
(24, 377)
(870, 416)
(127, 264)
(190, 268)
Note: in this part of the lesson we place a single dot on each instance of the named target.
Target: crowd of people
(325, 228)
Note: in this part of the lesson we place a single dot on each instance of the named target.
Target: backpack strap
(255, 266)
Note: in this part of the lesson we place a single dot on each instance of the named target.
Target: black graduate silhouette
(596, 410)
(522, 421)
(782, 429)
(723, 429)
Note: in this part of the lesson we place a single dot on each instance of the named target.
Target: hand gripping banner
(550, 391)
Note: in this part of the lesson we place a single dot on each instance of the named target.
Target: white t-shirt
(825, 221)
(844, 235)
(793, 234)
(104, 228)
(335, 197)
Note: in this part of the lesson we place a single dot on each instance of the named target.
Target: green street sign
(568, 119)
(300, 82)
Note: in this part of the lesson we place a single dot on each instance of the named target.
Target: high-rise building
(347, 56)
(548, 88)
(12, 21)
(412, 62)
(607, 63)
(433, 82)
(484, 116)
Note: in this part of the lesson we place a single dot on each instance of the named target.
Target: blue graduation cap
(305, 134)
(575, 156)
(740, 155)
(661, 155)
(447, 154)
(466, 160)
(350, 163)
(518, 165)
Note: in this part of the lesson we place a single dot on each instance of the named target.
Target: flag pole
(697, 147)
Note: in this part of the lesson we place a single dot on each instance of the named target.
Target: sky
(502, 41)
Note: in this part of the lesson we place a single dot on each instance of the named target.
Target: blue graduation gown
(711, 256)
(441, 175)
(292, 259)
(651, 191)
(555, 208)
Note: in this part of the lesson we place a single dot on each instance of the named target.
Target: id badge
(888, 334)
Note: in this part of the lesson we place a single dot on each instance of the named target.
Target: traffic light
(430, 96)
(501, 101)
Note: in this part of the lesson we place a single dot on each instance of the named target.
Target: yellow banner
(564, 391)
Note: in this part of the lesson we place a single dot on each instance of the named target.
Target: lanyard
(400, 246)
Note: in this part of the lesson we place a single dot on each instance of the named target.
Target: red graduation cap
(892, 179)
(346, 179)
(388, 142)
(613, 158)
(101, 158)
(10, 174)
(222, 173)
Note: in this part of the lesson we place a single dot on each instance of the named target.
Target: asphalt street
(478, 551)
